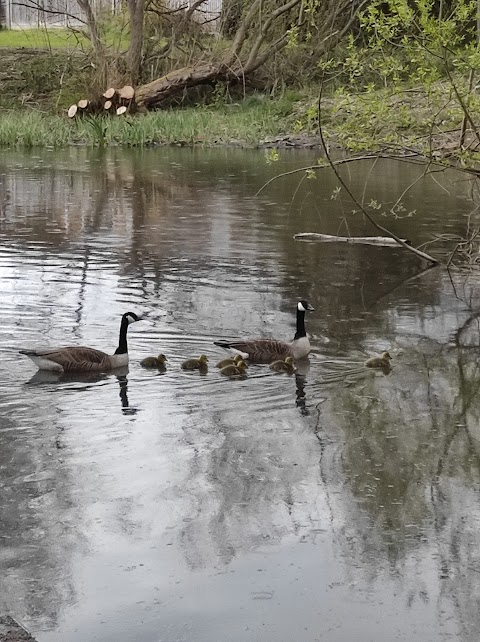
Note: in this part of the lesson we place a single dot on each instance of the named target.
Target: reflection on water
(146, 505)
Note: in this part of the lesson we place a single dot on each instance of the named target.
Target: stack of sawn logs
(113, 101)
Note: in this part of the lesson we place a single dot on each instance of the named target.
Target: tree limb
(410, 248)
(264, 30)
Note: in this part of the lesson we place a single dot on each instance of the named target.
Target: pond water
(336, 504)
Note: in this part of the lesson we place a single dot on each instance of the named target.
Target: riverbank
(353, 122)
(37, 90)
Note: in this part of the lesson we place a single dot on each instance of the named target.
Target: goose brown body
(268, 350)
(81, 358)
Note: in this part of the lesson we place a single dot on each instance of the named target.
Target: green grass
(41, 38)
(355, 122)
(248, 123)
(114, 36)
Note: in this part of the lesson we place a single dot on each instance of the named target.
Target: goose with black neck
(268, 350)
(81, 358)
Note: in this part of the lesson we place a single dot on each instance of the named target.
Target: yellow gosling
(379, 362)
(154, 362)
(199, 363)
(229, 361)
(288, 365)
(234, 370)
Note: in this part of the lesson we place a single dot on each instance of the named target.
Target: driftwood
(364, 240)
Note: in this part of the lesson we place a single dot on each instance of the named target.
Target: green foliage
(272, 156)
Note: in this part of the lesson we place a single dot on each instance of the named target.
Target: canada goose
(200, 363)
(287, 366)
(267, 350)
(81, 359)
(379, 362)
(234, 369)
(230, 361)
(154, 362)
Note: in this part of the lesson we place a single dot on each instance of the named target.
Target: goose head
(289, 361)
(304, 306)
(203, 359)
(386, 356)
(162, 359)
(131, 317)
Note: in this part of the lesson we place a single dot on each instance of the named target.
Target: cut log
(127, 92)
(108, 104)
(365, 240)
(121, 110)
(72, 110)
(110, 93)
(82, 104)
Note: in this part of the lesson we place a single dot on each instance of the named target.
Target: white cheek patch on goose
(300, 307)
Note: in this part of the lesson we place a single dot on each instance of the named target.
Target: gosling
(154, 362)
(287, 366)
(230, 361)
(379, 362)
(200, 363)
(234, 369)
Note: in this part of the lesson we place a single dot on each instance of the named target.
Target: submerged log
(365, 240)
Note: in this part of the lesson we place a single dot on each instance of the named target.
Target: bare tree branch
(264, 30)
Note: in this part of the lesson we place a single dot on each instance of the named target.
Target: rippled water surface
(337, 504)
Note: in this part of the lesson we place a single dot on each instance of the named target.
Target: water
(139, 506)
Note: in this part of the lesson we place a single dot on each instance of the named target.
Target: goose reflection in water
(88, 379)
(302, 369)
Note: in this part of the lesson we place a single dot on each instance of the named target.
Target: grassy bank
(253, 121)
(407, 119)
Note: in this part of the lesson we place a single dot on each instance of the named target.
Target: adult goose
(82, 359)
(268, 350)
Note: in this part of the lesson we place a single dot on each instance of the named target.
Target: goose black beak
(310, 308)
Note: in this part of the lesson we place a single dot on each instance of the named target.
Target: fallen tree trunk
(154, 93)
(364, 240)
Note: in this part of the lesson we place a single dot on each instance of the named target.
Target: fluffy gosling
(287, 365)
(199, 363)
